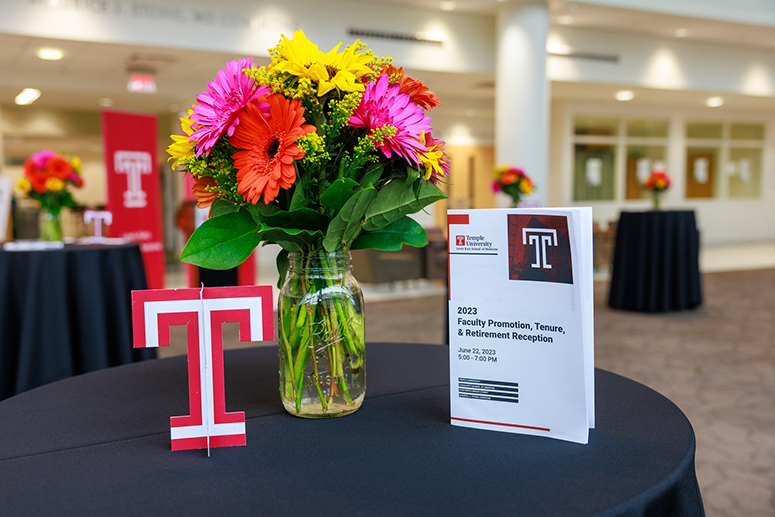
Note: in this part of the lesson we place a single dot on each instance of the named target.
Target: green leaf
(222, 242)
(282, 266)
(305, 218)
(222, 206)
(338, 193)
(391, 238)
(372, 175)
(352, 212)
(299, 199)
(291, 239)
(397, 199)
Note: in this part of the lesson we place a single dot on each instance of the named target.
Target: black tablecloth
(656, 262)
(65, 312)
(99, 444)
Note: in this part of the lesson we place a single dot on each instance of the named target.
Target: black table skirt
(99, 444)
(66, 312)
(656, 262)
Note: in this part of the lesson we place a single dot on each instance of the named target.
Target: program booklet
(521, 322)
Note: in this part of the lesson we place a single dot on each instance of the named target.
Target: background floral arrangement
(656, 183)
(47, 177)
(315, 152)
(512, 181)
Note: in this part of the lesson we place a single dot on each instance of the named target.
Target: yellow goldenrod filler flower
(181, 147)
(314, 147)
(55, 184)
(24, 185)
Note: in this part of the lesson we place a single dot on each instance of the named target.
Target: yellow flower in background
(54, 184)
(24, 185)
(181, 147)
(75, 162)
(526, 186)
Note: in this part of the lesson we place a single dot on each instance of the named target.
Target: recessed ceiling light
(27, 96)
(106, 102)
(50, 53)
(681, 33)
(565, 19)
(714, 102)
(624, 95)
(447, 6)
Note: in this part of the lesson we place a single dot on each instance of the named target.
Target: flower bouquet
(47, 176)
(657, 183)
(320, 153)
(512, 181)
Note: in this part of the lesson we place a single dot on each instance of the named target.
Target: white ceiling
(94, 71)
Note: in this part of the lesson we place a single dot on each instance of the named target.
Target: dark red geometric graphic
(539, 248)
(460, 240)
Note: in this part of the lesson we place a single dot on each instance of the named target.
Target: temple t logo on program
(460, 240)
(134, 164)
(539, 248)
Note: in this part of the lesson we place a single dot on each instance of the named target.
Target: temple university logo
(539, 248)
(460, 240)
(540, 239)
(203, 312)
(134, 164)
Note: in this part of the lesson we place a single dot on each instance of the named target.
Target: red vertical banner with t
(130, 144)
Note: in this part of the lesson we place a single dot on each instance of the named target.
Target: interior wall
(469, 182)
(660, 63)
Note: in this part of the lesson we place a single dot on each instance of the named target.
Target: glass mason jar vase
(322, 341)
(50, 225)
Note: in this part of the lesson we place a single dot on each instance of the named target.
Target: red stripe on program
(498, 423)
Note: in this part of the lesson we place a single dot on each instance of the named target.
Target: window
(728, 151)
(599, 141)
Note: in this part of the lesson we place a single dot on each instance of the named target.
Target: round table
(99, 444)
(66, 311)
(656, 265)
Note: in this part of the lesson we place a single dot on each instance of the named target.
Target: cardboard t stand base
(203, 311)
(521, 321)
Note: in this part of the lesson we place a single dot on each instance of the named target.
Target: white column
(522, 91)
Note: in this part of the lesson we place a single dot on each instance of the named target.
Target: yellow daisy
(297, 56)
(55, 184)
(344, 69)
(24, 185)
(181, 147)
(302, 58)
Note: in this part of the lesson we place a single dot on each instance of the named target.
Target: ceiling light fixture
(681, 33)
(565, 19)
(50, 53)
(447, 6)
(714, 102)
(27, 96)
(625, 95)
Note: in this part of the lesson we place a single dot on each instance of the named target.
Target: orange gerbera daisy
(59, 167)
(266, 163)
(418, 92)
(204, 197)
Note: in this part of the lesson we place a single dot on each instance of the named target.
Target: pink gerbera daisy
(219, 107)
(383, 105)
